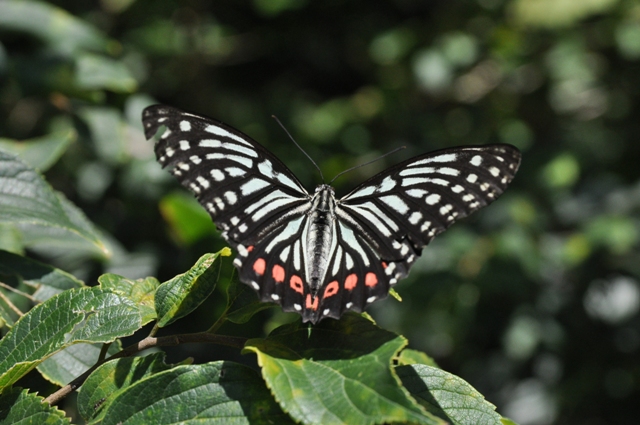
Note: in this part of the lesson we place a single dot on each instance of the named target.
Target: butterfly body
(316, 254)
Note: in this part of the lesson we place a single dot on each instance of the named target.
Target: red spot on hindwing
(296, 284)
(331, 289)
(371, 279)
(259, 266)
(250, 248)
(351, 281)
(278, 273)
(384, 265)
(312, 304)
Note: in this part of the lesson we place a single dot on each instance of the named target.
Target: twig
(149, 342)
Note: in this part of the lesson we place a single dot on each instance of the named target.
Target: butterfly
(313, 253)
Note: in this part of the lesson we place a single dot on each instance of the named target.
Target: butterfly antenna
(296, 143)
(367, 163)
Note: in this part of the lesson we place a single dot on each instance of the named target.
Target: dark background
(534, 300)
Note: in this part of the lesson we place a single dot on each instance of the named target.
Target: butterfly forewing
(314, 254)
(405, 207)
(242, 185)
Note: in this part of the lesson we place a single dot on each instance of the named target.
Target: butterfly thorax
(319, 235)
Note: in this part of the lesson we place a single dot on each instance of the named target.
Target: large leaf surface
(43, 216)
(447, 395)
(109, 380)
(19, 407)
(338, 372)
(213, 393)
(76, 315)
(66, 365)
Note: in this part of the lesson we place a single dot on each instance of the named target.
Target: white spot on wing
(395, 202)
(387, 184)
(416, 193)
(448, 157)
(476, 160)
(184, 145)
(284, 255)
(219, 131)
(365, 191)
(351, 241)
(230, 197)
(348, 261)
(235, 172)
(217, 175)
(203, 182)
(415, 180)
(433, 199)
(239, 159)
(472, 178)
(415, 217)
(210, 143)
(185, 126)
(448, 171)
(290, 230)
(296, 255)
(414, 171)
(337, 261)
(253, 186)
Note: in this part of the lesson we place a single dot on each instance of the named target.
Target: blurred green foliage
(534, 300)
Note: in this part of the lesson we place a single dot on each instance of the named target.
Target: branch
(149, 342)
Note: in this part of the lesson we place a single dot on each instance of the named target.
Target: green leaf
(18, 406)
(76, 315)
(45, 280)
(140, 291)
(56, 27)
(41, 152)
(10, 238)
(66, 365)
(409, 356)
(101, 72)
(188, 220)
(109, 380)
(219, 392)
(242, 303)
(43, 216)
(447, 395)
(337, 372)
(108, 132)
(181, 295)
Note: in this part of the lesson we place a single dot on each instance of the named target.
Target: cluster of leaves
(347, 371)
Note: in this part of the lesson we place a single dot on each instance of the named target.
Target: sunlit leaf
(181, 295)
(18, 406)
(220, 392)
(447, 396)
(337, 372)
(76, 315)
(113, 377)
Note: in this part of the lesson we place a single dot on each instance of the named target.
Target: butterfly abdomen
(319, 236)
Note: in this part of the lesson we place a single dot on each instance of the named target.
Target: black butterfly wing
(386, 221)
(251, 195)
